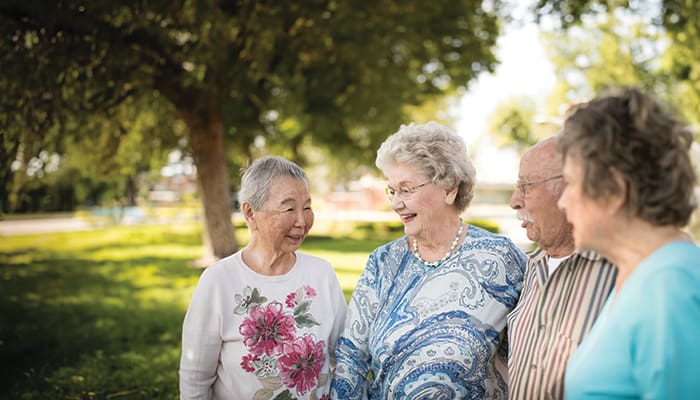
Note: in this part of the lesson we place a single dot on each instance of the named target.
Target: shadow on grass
(98, 315)
(75, 327)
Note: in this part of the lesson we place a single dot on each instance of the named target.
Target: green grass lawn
(97, 315)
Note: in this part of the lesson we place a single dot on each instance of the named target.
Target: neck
(440, 234)
(436, 254)
(267, 261)
(560, 250)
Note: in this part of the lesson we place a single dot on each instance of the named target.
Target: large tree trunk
(207, 144)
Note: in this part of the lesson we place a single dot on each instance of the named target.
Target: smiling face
(286, 217)
(423, 210)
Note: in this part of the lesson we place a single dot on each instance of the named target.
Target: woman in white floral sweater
(263, 322)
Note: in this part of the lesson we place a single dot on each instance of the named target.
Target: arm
(340, 307)
(201, 343)
(352, 352)
(666, 355)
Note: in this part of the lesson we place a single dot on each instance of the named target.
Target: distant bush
(485, 224)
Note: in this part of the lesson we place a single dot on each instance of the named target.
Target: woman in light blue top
(629, 192)
(428, 315)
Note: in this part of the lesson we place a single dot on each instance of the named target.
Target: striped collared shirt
(553, 315)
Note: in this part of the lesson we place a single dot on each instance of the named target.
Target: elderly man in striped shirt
(563, 291)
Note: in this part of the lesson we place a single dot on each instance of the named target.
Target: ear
(616, 201)
(451, 195)
(249, 215)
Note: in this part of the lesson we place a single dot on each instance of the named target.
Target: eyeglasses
(404, 192)
(521, 186)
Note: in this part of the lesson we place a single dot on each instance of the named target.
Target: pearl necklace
(449, 251)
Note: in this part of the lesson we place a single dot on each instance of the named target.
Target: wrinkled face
(589, 218)
(544, 222)
(415, 199)
(286, 217)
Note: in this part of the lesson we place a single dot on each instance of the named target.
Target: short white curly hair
(437, 152)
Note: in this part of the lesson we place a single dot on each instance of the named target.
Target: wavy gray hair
(436, 152)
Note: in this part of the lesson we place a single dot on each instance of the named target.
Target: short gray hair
(258, 178)
(435, 151)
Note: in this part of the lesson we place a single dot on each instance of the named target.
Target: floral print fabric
(278, 356)
(251, 336)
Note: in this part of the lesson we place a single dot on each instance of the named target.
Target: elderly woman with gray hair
(629, 192)
(263, 322)
(428, 314)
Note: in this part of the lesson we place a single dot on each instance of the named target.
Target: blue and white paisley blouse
(419, 332)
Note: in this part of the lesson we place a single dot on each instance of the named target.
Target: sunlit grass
(98, 314)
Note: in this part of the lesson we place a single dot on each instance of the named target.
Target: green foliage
(282, 71)
(512, 123)
(651, 44)
(263, 76)
(485, 224)
(611, 50)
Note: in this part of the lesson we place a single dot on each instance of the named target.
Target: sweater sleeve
(201, 341)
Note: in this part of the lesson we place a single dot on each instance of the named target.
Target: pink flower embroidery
(301, 363)
(310, 292)
(325, 397)
(267, 329)
(247, 361)
(291, 300)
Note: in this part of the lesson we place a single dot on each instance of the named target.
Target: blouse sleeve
(352, 352)
(201, 342)
(665, 354)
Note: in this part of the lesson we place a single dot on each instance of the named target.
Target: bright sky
(524, 71)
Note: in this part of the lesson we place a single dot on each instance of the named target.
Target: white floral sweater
(251, 336)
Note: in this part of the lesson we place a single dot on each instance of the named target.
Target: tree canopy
(651, 44)
(234, 72)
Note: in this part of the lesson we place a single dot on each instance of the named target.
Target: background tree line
(594, 44)
(97, 93)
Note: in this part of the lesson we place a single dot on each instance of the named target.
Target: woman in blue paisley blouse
(263, 323)
(427, 317)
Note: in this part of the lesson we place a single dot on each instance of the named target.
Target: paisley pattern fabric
(419, 332)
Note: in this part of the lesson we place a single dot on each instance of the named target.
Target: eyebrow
(401, 183)
(290, 201)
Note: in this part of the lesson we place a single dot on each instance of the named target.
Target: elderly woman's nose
(300, 218)
(396, 201)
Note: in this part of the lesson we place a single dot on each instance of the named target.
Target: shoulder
(590, 260)
(219, 269)
(395, 247)
(489, 240)
(677, 262)
(311, 259)
(674, 266)
(669, 278)
(317, 264)
(476, 232)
